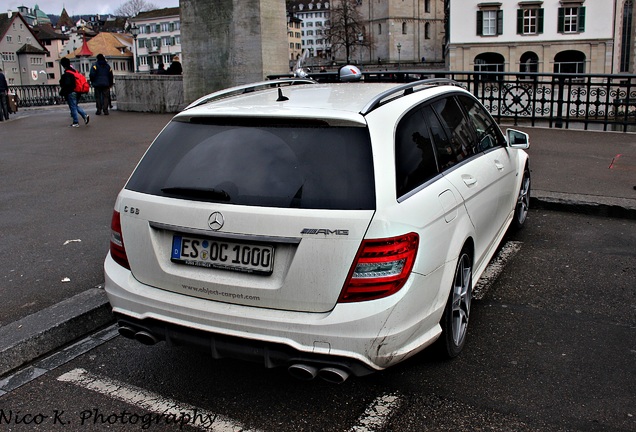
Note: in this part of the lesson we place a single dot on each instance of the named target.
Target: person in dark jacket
(4, 94)
(67, 84)
(175, 67)
(101, 76)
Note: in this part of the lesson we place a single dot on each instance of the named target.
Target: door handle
(469, 180)
(499, 165)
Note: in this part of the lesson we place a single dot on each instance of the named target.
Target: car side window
(415, 161)
(488, 133)
(445, 155)
(460, 133)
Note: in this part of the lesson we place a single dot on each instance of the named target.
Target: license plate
(222, 254)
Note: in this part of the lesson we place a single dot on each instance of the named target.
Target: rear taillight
(381, 268)
(117, 249)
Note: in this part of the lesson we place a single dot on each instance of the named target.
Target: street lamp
(134, 30)
(360, 42)
(399, 47)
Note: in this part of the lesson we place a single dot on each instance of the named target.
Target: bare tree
(346, 30)
(132, 8)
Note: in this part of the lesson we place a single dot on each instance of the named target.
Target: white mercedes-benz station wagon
(332, 229)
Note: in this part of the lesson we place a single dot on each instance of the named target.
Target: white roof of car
(336, 101)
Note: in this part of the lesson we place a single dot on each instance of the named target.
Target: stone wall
(150, 93)
(226, 43)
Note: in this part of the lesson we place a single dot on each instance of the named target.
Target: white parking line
(495, 267)
(377, 414)
(166, 411)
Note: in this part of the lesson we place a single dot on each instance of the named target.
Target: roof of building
(30, 49)
(85, 50)
(41, 15)
(157, 13)
(114, 25)
(64, 20)
(108, 44)
(5, 21)
(47, 32)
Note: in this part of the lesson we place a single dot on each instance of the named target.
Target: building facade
(404, 31)
(314, 17)
(294, 38)
(548, 36)
(23, 56)
(159, 39)
(393, 31)
(54, 43)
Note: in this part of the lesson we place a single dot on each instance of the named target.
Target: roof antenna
(281, 97)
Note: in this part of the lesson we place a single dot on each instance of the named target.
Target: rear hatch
(266, 213)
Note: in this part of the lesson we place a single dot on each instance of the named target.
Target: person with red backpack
(73, 84)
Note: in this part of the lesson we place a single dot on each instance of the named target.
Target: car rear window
(260, 163)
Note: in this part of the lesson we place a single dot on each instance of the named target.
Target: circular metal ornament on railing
(517, 99)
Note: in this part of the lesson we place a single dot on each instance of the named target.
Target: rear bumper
(150, 331)
(360, 337)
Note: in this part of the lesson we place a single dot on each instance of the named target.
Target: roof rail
(405, 90)
(249, 88)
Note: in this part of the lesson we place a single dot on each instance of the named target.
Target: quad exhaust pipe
(303, 372)
(299, 371)
(142, 336)
(307, 372)
(333, 375)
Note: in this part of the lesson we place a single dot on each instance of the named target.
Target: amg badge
(324, 231)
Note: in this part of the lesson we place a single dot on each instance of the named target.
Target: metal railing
(45, 95)
(599, 102)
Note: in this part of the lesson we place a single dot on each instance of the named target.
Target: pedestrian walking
(4, 95)
(67, 84)
(101, 76)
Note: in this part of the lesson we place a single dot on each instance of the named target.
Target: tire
(523, 201)
(457, 311)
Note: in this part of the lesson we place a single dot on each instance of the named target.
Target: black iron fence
(599, 102)
(44, 95)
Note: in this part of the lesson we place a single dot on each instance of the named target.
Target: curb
(38, 334)
(624, 208)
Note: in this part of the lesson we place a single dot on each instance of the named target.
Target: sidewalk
(583, 171)
(59, 186)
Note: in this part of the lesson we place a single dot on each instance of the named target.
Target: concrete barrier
(150, 93)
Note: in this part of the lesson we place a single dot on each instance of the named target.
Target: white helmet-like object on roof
(350, 73)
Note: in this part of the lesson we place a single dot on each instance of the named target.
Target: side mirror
(517, 139)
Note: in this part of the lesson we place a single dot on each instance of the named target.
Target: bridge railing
(44, 95)
(599, 102)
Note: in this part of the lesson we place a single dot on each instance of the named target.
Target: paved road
(551, 348)
(58, 190)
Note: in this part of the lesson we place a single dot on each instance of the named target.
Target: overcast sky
(79, 7)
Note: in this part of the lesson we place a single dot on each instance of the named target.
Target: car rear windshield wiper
(197, 193)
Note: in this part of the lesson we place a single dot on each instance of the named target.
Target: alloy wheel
(462, 293)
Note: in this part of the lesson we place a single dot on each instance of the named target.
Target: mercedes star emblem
(216, 221)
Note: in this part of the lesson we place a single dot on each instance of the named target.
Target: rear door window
(415, 161)
(260, 163)
(444, 150)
